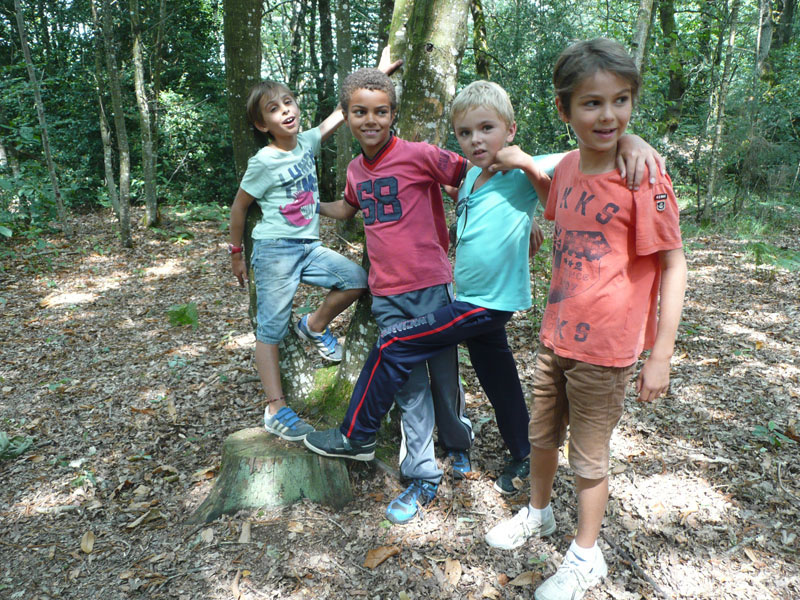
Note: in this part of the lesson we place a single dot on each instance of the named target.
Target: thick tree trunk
(721, 97)
(259, 470)
(642, 32)
(764, 35)
(119, 124)
(242, 35)
(148, 153)
(37, 95)
(784, 31)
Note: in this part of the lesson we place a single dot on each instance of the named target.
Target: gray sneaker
(513, 532)
(573, 578)
(286, 424)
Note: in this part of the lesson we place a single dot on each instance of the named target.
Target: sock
(583, 554)
(537, 515)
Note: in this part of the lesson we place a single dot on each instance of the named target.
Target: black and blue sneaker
(403, 508)
(333, 443)
(514, 476)
(460, 462)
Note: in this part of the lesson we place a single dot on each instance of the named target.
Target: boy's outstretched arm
(514, 157)
(241, 203)
(633, 155)
(653, 379)
(336, 118)
(338, 209)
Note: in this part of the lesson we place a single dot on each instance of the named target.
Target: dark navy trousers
(409, 342)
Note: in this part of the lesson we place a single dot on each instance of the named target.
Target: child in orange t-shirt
(614, 252)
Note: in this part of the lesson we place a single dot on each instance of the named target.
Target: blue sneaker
(327, 345)
(403, 508)
(286, 424)
(461, 464)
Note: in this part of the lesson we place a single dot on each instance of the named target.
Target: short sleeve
(550, 208)
(257, 178)
(313, 138)
(657, 218)
(349, 193)
(446, 167)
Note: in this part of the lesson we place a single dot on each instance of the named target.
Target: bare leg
(544, 463)
(592, 499)
(335, 302)
(270, 374)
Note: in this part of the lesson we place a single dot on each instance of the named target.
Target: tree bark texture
(148, 152)
(260, 470)
(242, 35)
(677, 80)
(37, 95)
(641, 33)
(434, 36)
(119, 124)
(479, 44)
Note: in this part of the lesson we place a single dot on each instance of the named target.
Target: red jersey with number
(399, 194)
(606, 270)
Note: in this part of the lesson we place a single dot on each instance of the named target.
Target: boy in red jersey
(396, 184)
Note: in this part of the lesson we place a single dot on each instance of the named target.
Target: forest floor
(128, 414)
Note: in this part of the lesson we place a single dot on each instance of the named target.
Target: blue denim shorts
(279, 266)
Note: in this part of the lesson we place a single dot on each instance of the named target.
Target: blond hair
(483, 94)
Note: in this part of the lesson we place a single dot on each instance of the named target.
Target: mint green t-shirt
(285, 186)
(493, 236)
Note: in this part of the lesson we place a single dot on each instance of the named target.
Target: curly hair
(367, 79)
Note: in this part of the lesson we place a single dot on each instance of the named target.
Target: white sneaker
(573, 578)
(513, 532)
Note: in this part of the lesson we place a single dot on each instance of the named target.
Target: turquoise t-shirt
(493, 236)
(285, 186)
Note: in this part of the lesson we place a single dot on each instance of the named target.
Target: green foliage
(183, 314)
(14, 446)
(772, 435)
(766, 253)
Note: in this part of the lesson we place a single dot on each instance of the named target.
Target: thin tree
(479, 43)
(641, 32)
(148, 152)
(37, 95)
(119, 125)
(721, 97)
(105, 129)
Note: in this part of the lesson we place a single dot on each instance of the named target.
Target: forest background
(127, 356)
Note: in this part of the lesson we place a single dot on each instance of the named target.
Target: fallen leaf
(150, 515)
(502, 579)
(207, 473)
(489, 592)
(452, 570)
(207, 535)
(526, 578)
(87, 542)
(295, 527)
(377, 555)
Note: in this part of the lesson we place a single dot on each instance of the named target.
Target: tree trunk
(37, 95)
(260, 470)
(721, 97)
(242, 36)
(677, 80)
(763, 38)
(479, 44)
(436, 34)
(326, 101)
(785, 26)
(642, 32)
(121, 130)
(148, 153)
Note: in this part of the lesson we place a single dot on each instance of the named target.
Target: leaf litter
(127, 412)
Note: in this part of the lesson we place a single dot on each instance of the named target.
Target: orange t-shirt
(606, 271)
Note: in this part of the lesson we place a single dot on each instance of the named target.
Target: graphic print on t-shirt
(577, 260)
(378, 200)
(299, 183)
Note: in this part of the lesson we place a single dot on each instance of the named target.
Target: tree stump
(261, 470)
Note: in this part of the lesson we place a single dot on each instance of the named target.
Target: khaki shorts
(588, 398)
